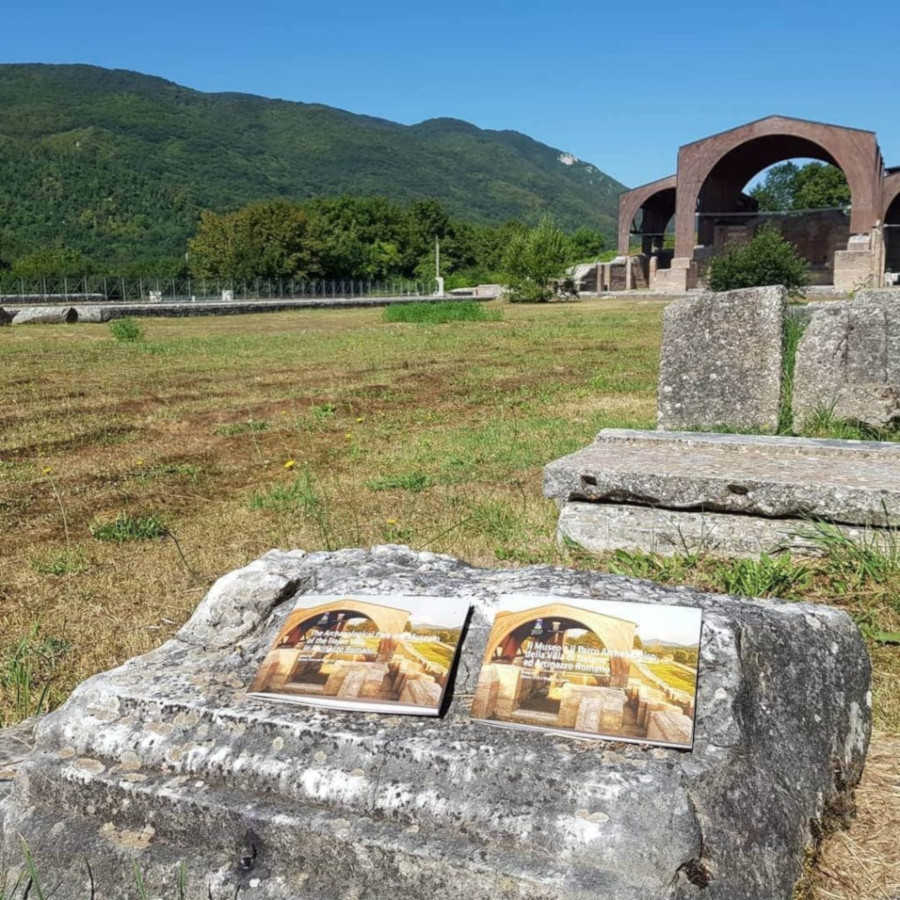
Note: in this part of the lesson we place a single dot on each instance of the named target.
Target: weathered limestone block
(93, 314)
(166, 759)
(848, 361)
(45, 315)
(874, 296)
(601, 527)
(720, 362)
(850, 482)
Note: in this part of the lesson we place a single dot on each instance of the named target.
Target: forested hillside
(118, 165)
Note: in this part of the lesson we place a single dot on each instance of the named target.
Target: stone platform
(166, 759)
(739, 495)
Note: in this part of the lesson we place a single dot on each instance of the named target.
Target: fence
(103, 288)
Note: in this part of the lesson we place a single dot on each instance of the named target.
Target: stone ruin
(166, 761)
(722, 368)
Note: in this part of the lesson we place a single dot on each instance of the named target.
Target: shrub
(126, 330)
(438, 313)
(535, 263)
(766, 259)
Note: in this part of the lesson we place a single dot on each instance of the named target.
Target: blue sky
(617, 87)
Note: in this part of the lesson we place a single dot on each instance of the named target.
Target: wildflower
(138, 462)
(48, 470)
(391, 522)
(349, 435)
(359, 419)
(289, 464)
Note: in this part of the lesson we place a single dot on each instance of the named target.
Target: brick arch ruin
(617, 635)
(713, 172)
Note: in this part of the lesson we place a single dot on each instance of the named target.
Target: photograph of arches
(592, 668)
(372, 653)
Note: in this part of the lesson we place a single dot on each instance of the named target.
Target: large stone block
(721, 358)
(167, 759)
(848, 362)
(851, 482)
(601, 527)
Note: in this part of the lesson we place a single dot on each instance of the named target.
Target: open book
(390, 654)
(592, 668)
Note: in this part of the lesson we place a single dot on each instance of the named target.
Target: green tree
(273, 239)
(53, 262)
(812, 186)
(535, 262)
(765, 260)
(586, 244)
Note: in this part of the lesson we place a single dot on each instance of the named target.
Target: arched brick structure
(657, 199)
(891, 218)
(713, 172)
(617, 634)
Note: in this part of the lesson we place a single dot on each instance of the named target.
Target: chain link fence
(105, 288)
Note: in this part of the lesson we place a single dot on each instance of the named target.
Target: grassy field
(134, 474)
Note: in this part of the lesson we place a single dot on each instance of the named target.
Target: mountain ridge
(113, 162)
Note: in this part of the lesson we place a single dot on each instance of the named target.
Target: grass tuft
(400, 481)
(236, 428)
(27, 671)
(439, 313)
(60, 562)
(768, 576)
(126, 527)
(126, 330)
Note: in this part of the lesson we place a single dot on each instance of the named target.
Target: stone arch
(656, 199)
(616, 634)
(709, 170)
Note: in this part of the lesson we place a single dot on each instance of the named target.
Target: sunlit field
(133, 474)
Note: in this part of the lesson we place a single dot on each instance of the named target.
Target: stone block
(848, 362)
(167, 759)
(45, 315)
(603, 527)
(720, 362)
(421, 692)
(755, 475)
(669, 726)
(590, 711)
(874, 296)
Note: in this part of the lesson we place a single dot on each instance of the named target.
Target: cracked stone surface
(720, 362)
(166, 759)
(848, 360)
(849, 482)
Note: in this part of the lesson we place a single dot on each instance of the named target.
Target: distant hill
(118, 164)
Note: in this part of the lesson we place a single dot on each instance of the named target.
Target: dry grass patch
(317, 429)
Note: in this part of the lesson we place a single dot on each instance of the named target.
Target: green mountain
(118, 164)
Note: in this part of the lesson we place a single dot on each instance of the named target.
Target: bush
(535, 262)
(126, 330)
(438, 313)
(767, 259)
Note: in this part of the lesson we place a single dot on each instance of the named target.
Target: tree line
(335, 238)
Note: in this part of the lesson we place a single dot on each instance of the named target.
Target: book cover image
(389, 654)
(592, 668)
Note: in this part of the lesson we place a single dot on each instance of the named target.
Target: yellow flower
(359, 419)
(48, 470)
(289, 464)
(138, 462)
(391, 522)
(349, 435)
